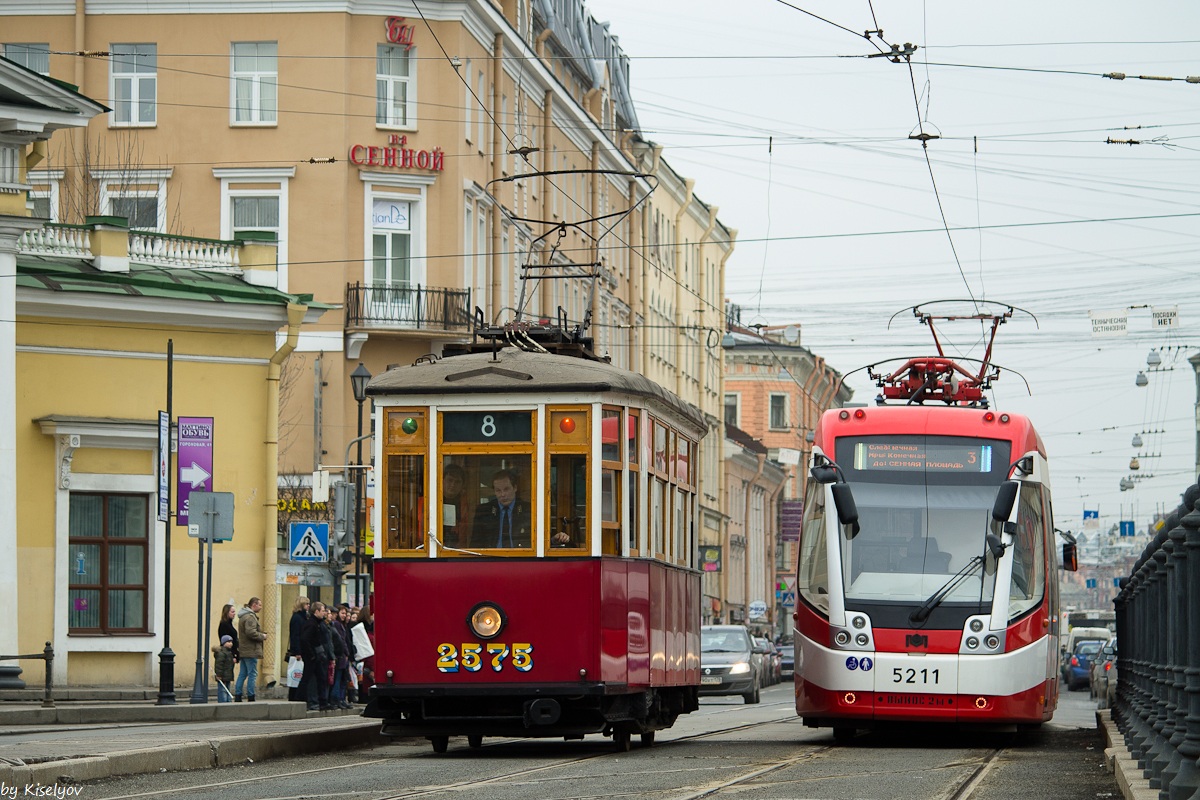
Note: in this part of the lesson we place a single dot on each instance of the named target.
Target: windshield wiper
(994, 547)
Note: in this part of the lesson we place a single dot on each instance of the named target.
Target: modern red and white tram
(927, 585)
(550, 589)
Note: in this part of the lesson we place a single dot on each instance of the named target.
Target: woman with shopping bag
(295, 626)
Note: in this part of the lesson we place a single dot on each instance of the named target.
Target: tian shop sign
(396, 154)
(397, 32)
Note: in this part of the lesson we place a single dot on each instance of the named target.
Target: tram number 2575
(914, 676)
(472, 656)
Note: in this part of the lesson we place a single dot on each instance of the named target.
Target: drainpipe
(497, 174)
(270, 595)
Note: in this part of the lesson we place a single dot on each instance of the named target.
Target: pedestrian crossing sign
(308, 542)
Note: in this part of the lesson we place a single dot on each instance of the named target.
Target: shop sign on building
(396, 154)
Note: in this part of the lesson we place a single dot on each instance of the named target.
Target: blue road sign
(1127, 527)
(308, 542)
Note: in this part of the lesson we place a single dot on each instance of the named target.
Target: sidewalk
(1130, 778)
(88, 739)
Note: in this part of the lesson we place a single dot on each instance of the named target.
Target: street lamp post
(359, 379)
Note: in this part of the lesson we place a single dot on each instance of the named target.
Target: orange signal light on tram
(566, 425)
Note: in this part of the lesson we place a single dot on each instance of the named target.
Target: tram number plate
(473, 656)
(910, 676)
(709, 679)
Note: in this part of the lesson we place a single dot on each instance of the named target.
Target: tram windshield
(485, 502)
(924, 507)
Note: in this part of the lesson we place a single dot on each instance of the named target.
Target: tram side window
(1029, 559)
(494, 508)
(568, 500)
(632, 447)
(812, 575)
(405, 502)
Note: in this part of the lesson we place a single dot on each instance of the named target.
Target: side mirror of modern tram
(847, 511)
(1070, 558)
(995, 547)
(824, 473)
(1006, 496)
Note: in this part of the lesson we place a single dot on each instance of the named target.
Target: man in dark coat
(503, 521)
(316, 648)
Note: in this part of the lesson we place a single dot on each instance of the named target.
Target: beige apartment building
(389, 147)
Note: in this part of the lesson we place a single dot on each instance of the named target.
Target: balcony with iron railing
(412, 307)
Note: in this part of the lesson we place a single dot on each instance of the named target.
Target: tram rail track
(455, 786)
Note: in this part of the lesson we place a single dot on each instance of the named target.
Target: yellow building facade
(419, 163)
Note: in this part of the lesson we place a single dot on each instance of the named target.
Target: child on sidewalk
(223, 668)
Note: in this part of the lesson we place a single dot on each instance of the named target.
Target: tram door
(568, 498)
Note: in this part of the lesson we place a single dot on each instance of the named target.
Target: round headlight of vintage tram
(487, 620)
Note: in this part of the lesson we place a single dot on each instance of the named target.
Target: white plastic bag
(295, 672)
(362, 643)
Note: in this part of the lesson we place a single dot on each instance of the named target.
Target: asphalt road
(727, 749)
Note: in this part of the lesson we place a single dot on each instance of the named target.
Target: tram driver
(503, 521)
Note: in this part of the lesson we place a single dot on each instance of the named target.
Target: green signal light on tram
(409, 425)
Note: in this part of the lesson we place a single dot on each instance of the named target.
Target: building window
(255, 76)
(731, 409)
(256, 199)
(395, 89)
(30, 56)
(140, 209)
(109, 549)
(254, 214)
(779, 417)
(43, 193)
(134, 89)
(139, 195)
(10, 168)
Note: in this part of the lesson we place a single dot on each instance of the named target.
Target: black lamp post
(358, 382)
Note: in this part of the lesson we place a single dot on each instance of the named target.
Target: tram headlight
(972, 643)
(487, 620)
(977, 625)
(992, 642)
(740, 668)
(841, 638)
(859, 622)
(861, 640)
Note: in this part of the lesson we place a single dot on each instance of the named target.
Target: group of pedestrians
(337, 671)
(241, 646)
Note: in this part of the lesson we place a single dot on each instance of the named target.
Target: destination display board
(487, 426)
(960, 455)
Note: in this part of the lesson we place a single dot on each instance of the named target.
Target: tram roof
(511, 370)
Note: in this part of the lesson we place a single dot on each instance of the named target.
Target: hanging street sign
(308, 542)
(194, 458)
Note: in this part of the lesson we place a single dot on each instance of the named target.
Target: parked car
(730, 662)
(1104, 674)
(787, 660)
(1076, 636)
(1079, 665)
(772, 667)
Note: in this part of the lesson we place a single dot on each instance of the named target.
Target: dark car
(787, 660)
(1079, 665)
(729, 662)
(772, 671)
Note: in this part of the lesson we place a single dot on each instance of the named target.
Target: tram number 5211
(914, 676)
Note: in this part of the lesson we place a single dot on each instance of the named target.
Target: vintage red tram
(550, 588)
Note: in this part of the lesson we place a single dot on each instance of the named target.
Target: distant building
(775, 390)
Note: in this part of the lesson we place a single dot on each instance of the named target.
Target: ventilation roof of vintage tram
(514, 371)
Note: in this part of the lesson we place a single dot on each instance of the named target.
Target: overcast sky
(804, 144)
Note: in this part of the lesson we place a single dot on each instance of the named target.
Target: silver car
(1104, 675)
(730, 662)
